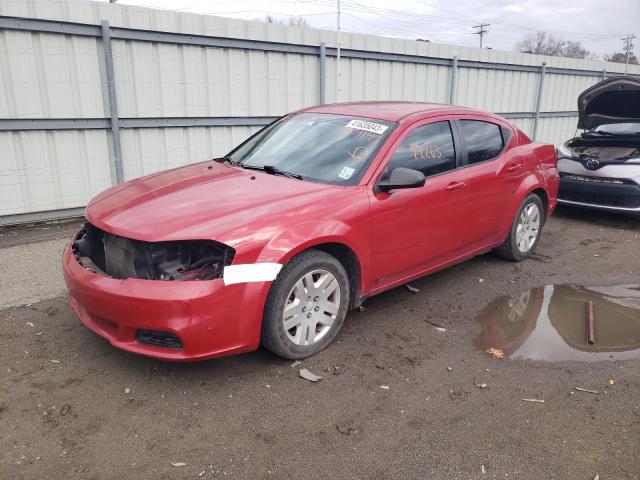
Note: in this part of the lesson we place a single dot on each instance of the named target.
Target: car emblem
(593, 164)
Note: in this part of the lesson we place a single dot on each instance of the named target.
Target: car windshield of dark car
(632, 128)
(325, 148)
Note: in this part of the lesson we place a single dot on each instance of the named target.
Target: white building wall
(55, 76)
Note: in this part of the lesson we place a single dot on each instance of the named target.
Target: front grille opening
(608, 200)
(158, 338)
(605, 180)
(119, 257)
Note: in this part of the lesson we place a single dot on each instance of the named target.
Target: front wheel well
(351, 264)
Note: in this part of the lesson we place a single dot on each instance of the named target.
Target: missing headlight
(120, 257)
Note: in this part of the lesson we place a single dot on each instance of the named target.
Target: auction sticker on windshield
(346, 173)
(367, 126)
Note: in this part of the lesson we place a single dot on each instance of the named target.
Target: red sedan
(276, 241)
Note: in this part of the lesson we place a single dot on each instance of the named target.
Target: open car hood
(615, 100)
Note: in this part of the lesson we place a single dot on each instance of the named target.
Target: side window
(428, 148)
(483, 140)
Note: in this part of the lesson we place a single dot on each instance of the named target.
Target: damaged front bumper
(168, 320)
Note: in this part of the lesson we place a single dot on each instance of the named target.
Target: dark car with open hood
(600, 168)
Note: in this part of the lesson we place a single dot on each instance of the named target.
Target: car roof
(392, 111)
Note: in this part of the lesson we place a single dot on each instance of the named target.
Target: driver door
(417, 229)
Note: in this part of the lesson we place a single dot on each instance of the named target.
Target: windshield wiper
(270, 169)
(228, 159)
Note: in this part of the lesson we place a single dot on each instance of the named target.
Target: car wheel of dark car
(525, 230)
(306, 305)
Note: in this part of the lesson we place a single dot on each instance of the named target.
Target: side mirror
(402, 177)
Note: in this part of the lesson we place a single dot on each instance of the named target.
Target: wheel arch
(544, 196)
(345, 254)
(532, 184)
(351, 263)
(344, 242)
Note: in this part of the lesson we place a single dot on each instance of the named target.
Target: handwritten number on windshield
(359, 152)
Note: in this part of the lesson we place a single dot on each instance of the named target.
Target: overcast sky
(597, 24)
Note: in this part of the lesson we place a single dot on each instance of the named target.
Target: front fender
(289, 243)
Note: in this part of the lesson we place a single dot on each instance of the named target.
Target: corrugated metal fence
(94, 93)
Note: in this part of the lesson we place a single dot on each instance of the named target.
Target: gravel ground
(30, 260)
(73, 407)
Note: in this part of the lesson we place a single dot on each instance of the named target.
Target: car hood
(615, 100)
(202, 201)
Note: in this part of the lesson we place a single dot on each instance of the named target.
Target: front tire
(306, 306)
(525, 231)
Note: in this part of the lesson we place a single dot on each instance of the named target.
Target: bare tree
(540, 43)
(576, 50)
(293, 21)
(271, 19)
(621, 57)
(298, 22)
(543, 43)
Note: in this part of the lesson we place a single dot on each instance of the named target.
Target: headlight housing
(119, 257)
(565, 152)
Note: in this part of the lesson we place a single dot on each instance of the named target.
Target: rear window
(483, 140)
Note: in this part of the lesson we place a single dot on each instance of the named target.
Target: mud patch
(552, 323)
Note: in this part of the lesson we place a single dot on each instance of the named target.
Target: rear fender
(533, 181)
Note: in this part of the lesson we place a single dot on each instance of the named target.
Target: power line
(447, 11)
(338, 52)
(403, 14)
(482, 32)
(627, 50)
(414, 22)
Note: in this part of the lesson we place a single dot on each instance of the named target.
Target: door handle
(453, 186)
(514, 167)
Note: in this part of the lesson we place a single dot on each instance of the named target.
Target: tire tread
(508, 250)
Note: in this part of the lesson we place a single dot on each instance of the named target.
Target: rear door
(494, 170)
(415, 229)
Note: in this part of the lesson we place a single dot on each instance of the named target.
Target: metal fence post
(323, 66)
(604, 74)
(454, 80)
(543, 70)
(113, 104)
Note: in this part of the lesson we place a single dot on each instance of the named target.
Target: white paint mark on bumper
(251, 272)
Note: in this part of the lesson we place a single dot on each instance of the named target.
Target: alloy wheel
(528, 227)
(311, 307)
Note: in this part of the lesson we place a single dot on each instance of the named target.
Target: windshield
(325, 148)
(619, 128)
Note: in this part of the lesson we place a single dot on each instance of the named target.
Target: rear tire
(306, 306)
(525, 231)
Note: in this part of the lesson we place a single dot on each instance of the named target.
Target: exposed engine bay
(118, 257)
(605, 149)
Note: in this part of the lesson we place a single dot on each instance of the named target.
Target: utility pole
(338, 56)
(482, 32)
(627, 50)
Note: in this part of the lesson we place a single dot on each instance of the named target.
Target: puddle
(551, 323)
